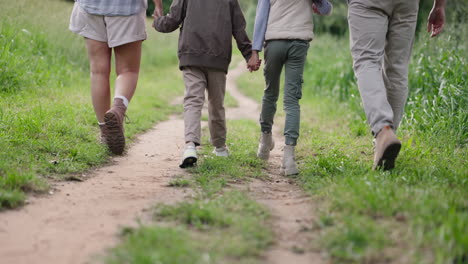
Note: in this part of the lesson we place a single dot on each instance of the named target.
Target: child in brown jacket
(206, 31)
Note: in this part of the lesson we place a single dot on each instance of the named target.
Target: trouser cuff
(290, 141)
(376, 129)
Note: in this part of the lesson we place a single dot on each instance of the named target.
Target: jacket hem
(204, 61)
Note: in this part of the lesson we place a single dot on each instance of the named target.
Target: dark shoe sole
(389, 156)
(115, 139)
(188, 162)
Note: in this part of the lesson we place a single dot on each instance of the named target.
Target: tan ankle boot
(387, 147)
(288, 166)
(265, 145)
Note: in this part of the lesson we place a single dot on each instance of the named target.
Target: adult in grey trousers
(381, 39)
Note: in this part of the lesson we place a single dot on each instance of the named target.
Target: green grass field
(48, 127)
(219, 225)
(417, 213)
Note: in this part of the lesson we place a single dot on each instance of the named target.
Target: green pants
(292, 55)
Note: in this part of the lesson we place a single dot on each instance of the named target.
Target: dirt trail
(291, 209)
(81, 220)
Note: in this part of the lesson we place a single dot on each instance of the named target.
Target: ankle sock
(124, 99)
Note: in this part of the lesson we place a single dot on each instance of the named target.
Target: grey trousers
(381, 39)
(292, 55)
(197, 80)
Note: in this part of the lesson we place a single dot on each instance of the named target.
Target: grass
(439, 104)
(148, 245)
(47, 125)
(422, 200)
(416, 213)
(413, 214)
(220, 225)
(230, 101)
(229, 228)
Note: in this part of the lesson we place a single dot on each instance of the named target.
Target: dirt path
(291, 209)
(80, 220)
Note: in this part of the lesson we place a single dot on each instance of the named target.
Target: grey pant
(381, 38)
(292, 55)
(197, 80)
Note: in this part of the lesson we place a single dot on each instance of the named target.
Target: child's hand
(254, 62)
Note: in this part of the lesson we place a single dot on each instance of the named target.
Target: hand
(315, 9)
(158, 9)
(254, 62)
(436, 21)
(158, 12)
(254, 65)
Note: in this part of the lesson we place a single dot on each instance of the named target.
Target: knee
(293, 91)
(271, 93)
(216, 106)
(290, 103)
(193, 101)
(270, 97)
(396, 80)
(368, 63)
(128, 70)
(100, 68)
(291, 106)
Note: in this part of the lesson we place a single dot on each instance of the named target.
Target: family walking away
(381, 39)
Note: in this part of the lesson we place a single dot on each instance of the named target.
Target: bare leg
(127, 63)
(100, 65)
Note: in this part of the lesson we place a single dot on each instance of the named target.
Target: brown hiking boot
(387, 147)
(114, 132)
(104, 132)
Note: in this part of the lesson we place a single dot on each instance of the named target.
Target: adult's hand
(315, 9)
(254, 62)
(158, 9)
(436, 20)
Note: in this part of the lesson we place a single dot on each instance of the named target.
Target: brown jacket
(206, 30)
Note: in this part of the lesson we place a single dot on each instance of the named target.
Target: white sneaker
(189, 158)
(221, 152)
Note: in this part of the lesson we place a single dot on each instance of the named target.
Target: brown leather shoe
(387, 147)
(114, 119)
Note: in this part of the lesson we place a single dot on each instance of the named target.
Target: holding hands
(254, 62)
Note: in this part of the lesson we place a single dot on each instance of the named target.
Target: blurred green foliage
(166, 6)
